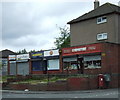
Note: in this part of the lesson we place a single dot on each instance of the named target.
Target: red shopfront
(81, 58)
(90, 59)
(98, 58)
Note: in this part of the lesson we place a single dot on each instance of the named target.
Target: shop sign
(12, 57)
(23, 56)
(36, 55)
(12, 62)
(81, 49)
(26, 60)
(51, 53)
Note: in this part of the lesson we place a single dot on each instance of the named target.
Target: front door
(81, 65)
(45, 67)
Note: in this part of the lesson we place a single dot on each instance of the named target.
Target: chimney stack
(96, 4)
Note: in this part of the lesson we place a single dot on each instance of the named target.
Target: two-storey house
(99, 25)
(95, 41)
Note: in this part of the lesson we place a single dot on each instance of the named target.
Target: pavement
(98, 93)
(58, 92)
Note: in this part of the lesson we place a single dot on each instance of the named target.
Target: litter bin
(107, 79)
(101, 81)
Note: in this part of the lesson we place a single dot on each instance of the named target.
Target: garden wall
(72, 83)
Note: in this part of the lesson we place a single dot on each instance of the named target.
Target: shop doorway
(81, 65)
(45, 67)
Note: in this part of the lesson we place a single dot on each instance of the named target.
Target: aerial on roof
(106, 8)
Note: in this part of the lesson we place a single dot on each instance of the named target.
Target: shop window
(66, 65)
(37, 66)
(93, 64)
(92, 61)
(70, 65)
(73, 65)
(53, 64)
(89, 62)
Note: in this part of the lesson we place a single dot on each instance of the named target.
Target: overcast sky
(34, 25)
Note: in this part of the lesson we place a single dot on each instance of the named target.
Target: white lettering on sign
(22, 56)
(92, 48)
(12, 57)
(79, 49)
(12, 62)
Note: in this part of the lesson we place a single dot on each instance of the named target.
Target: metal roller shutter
(12, 68)
(23, 68)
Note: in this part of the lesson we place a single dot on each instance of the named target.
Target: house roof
(105, 9)
(6, 52)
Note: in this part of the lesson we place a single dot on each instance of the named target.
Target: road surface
(104, 93)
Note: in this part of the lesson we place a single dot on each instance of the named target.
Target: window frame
(104, 36)
(92, 60)
(102, 19)
(51, 63)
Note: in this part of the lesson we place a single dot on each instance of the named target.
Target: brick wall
(110, 60)
(74, 83)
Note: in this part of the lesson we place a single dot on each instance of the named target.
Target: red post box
(101, 81)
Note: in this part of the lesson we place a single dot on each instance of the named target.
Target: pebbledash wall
(95, 58)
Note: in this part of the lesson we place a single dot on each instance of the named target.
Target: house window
(102, 36)
(101, 20)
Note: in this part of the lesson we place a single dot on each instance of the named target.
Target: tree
(22, 51)
(64, 39)
(32, 51)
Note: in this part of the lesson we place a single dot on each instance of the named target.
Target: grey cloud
(23, 20)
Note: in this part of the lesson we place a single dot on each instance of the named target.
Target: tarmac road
(104, 93)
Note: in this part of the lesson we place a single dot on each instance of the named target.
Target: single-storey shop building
(37, 64)
(12, 70)
(44, 62)
(52, 59)
(19, 64)
(23, 62)
(91, 59)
